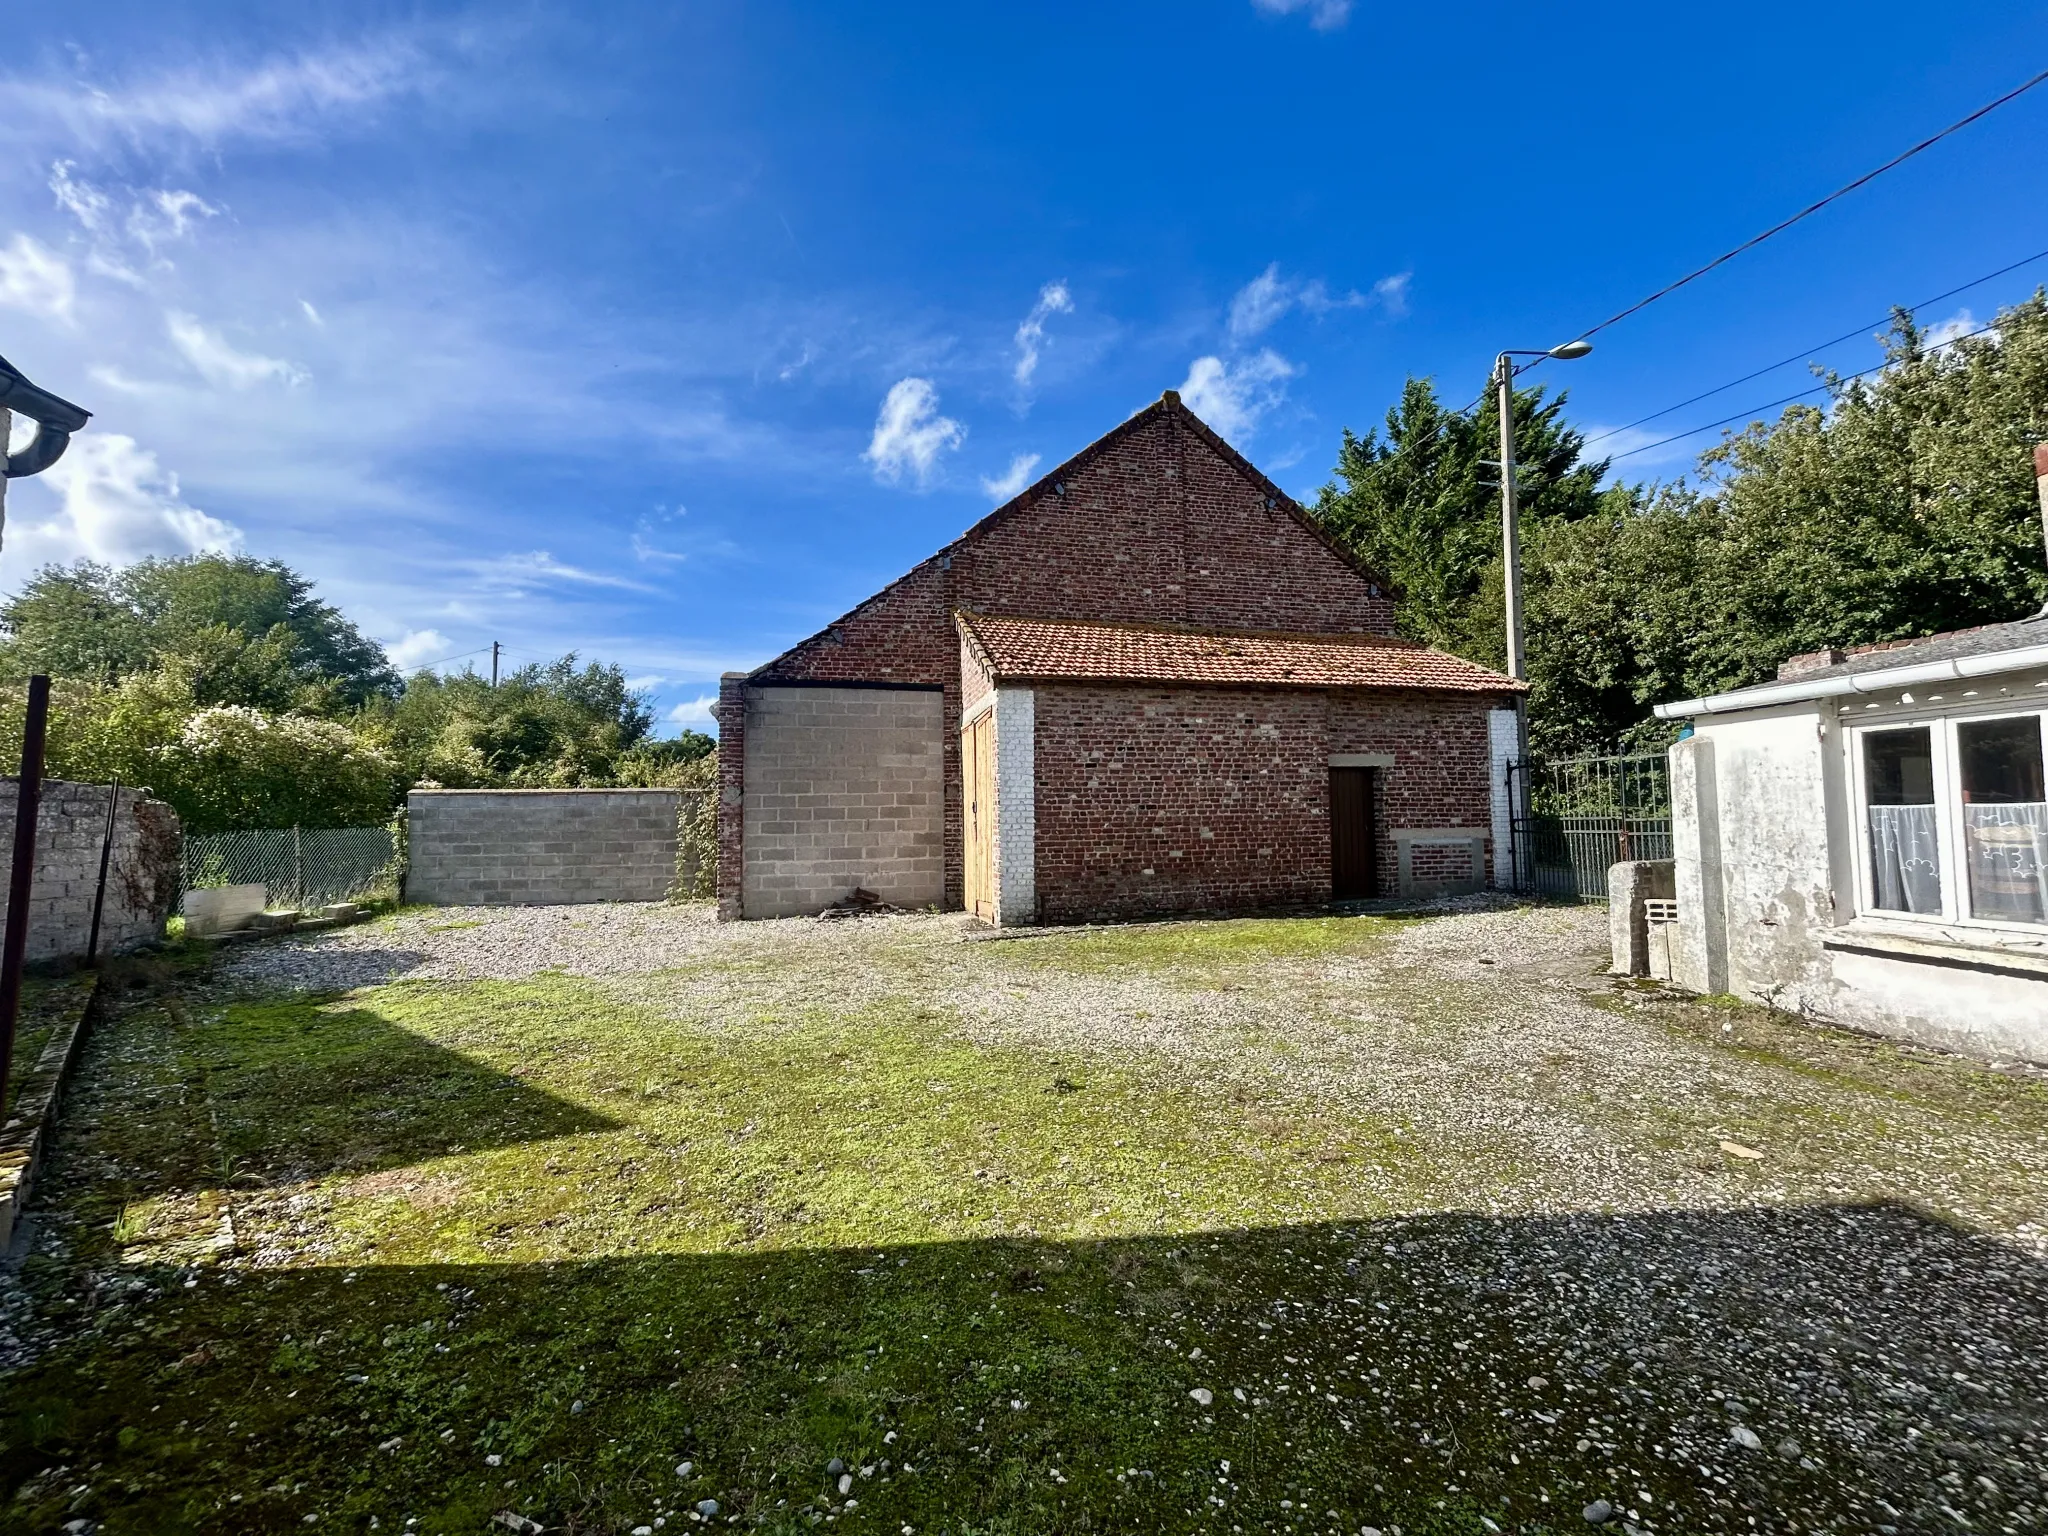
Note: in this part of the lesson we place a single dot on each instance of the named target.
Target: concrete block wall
(142, 874)
(540, 847)
(845, 788)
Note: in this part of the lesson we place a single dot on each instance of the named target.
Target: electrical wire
(1806, 352)
(1825, 384)
(1812, 208)
(428, 666)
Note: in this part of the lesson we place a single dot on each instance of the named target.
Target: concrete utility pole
(2041, 485)
(1510, 520)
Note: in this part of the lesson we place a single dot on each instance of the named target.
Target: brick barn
(1148, 684)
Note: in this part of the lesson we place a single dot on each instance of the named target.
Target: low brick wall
(71, 825)
(541, 847)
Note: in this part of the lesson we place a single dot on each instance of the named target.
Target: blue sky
(666, 333)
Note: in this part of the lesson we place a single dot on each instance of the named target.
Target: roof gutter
(1881, 681)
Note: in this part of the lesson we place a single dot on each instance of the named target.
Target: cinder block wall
(71, 825)
(845, 787)
(540, 847)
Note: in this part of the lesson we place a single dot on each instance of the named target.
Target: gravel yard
(1318, 1224)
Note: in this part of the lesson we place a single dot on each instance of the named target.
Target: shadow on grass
(1826, 1368)
(297, 1091)
(334, 968)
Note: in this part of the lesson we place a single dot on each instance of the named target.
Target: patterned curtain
(2008, 854)
(1905, 859)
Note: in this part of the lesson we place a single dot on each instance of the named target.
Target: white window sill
(1942, 944)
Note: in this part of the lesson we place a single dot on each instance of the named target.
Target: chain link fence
(302, 867)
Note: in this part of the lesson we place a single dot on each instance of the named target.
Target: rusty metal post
(28, 799)
(99, 896)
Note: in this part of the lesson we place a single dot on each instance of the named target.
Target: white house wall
(1763, 831)
(1754, 856)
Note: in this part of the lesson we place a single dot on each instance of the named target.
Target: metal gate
(1574, 818)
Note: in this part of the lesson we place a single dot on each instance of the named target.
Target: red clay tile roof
(1047, 649)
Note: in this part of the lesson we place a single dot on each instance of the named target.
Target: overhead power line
(1805, 352)
(1825, 384)
(426, 666)
(1812, 208)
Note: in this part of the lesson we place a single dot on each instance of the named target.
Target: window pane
(1898, 799)
(2005, 819)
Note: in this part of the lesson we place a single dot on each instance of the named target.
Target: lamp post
(1510, 521)
(1511, 571)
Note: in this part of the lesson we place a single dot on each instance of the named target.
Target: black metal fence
(1574, 818)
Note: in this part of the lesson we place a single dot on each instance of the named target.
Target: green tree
(250, 631)
(1904, 507)
(552, 725)
(1421, 505)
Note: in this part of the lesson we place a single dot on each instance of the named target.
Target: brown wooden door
(978, 784)
(1354, 862)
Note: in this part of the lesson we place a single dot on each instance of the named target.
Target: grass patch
(47, 1003)
(1203, 951)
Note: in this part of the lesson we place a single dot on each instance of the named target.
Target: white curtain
(2008, 854)
(1905, 858)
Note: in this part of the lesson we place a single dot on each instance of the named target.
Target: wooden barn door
(978, 775)
(1354, 866)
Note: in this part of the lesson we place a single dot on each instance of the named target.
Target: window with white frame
(1954, 818)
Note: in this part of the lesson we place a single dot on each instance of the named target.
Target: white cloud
(1957, 325)
(910, 434)
(1323, 15)
(1267, 297)
(419, 647)
(81, 199)
(161, 216)
(538, 566)
(35, 278)
(223, 365)
(695, 711)
(1231, 397)
(645, 681)
(1012, 480)
(1259, 303)
(650, 554)
(311, 313)
(1053, 299)
(273, 100)
(115, 503)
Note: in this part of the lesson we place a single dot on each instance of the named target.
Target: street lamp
(1510, 529)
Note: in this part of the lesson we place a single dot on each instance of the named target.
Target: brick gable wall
(1158, 522)
(1158, 800)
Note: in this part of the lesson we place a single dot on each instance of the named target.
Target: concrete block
(1629, 886)
(224, 908)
